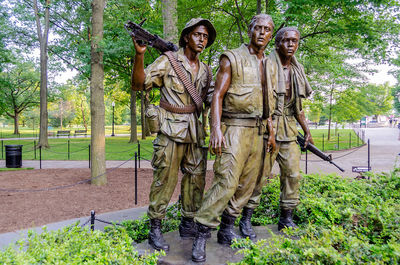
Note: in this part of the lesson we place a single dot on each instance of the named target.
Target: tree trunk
(97, 108)
(83, 115)
(258, 6)
(146, 106)
(43, 40)
(330, 115)
(142, 117)
(133, 138)
(16, 122)
(61, 114)
(170, 20)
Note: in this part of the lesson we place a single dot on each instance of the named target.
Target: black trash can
(13, 156)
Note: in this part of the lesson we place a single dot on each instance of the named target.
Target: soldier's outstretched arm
(301, 119)
(138, 76)
(222, 83)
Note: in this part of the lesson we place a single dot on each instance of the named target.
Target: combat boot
(245, 226)
(226, 233)
(187, 227)
(199, 243)
(286, 219)
(156, 239)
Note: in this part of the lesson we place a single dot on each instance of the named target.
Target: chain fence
(338, 157)
(67, 185)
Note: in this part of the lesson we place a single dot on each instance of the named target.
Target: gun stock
(313, 149)
(140, 34)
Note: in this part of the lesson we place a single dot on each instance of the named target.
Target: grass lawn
(15, 169)
(118, 148)
(344, 139)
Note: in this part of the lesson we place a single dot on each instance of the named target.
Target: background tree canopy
(340, 40)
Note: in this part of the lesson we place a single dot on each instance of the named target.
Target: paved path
(118, 216)
(384, 153)
(385, 149)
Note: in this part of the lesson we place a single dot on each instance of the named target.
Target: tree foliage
(19, 89)
(332, 32)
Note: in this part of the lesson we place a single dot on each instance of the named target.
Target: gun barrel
(312, 148)
(151, 39)
(333, 163)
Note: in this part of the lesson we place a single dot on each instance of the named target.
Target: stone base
(180, 252)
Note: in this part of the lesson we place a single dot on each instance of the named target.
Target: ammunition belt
(185, 80)
(177, 109)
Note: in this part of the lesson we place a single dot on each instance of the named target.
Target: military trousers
(238, 166)
(287, 154)
(168, 157)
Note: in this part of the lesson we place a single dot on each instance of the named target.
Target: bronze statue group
(255, 104)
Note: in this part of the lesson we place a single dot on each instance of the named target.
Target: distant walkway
(384, 148)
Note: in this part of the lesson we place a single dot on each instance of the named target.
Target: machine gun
(313, 149)
(143, 37)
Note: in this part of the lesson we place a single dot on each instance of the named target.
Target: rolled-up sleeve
(155, 73)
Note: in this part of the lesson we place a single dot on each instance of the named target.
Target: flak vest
(244, 98)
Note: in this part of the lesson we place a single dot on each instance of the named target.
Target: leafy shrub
(76, 245)
(139, 229)
(342, 221)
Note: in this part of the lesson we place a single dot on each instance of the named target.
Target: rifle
(313, 149)
(144, 37)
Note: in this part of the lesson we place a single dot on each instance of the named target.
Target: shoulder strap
(185, 81)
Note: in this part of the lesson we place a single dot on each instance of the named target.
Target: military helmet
(212, 34)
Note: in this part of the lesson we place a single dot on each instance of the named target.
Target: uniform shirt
(285, 123)
(184, 128)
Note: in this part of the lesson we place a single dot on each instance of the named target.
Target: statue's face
(289, 43)
(261, 33)
(197, 39)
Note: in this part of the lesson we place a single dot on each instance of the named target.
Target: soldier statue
(180, 134)
(239, 117)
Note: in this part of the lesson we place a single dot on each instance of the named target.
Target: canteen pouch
(153, 118)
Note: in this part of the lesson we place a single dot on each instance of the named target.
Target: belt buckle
(259, 124)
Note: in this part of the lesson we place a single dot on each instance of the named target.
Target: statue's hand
(271, 144)
(217, 140)
(308, 139)
(140, 49)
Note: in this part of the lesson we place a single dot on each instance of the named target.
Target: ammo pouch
(153, 118)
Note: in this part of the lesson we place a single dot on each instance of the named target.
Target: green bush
(342, 221)
(139, 229)
(76, 245)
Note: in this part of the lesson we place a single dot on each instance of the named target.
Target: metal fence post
(138, 143)
(34, 148)
(136, 178)
(350, 139)
(323, 142)
(338, 139)
(40, 157)
(2, 149)
(89, 156)
(92, 219)
(68, 149)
